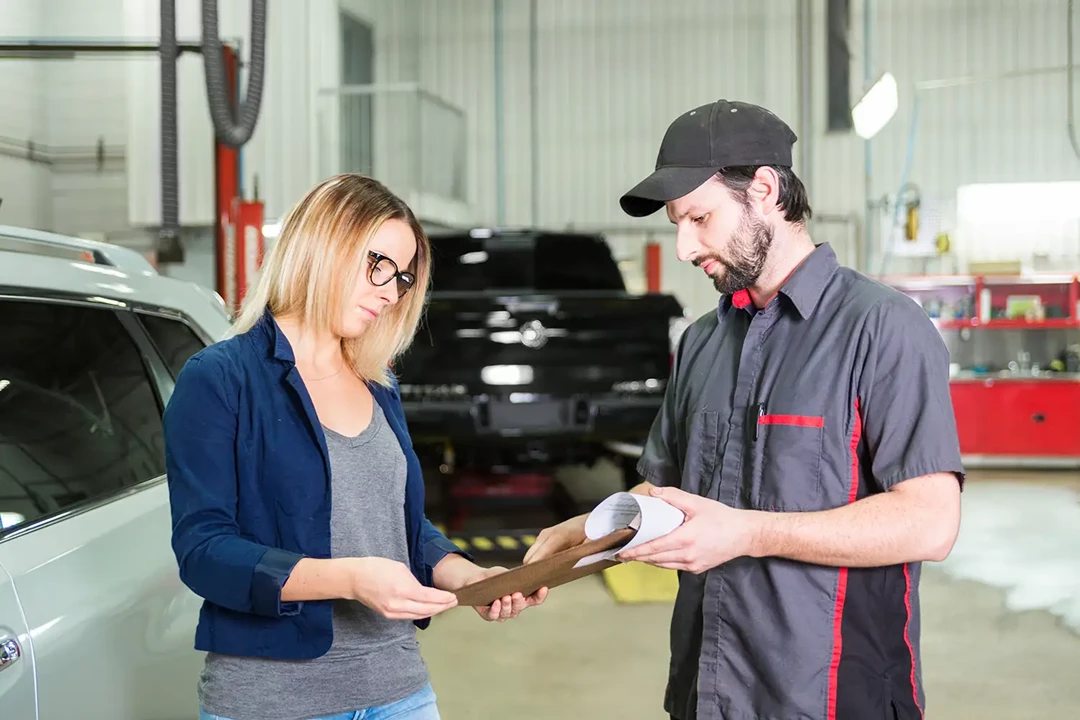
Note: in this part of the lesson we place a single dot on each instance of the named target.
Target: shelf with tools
(990, 302)
(1014, 345)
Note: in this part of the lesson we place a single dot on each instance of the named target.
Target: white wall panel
(24, 184)
(25, 190)
(84, 104)
(612, 74)
(994, 131)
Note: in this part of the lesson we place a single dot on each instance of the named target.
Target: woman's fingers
(433, 596)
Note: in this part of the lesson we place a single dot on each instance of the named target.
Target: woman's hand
(389, 588)
(455, 572)
(507, 607)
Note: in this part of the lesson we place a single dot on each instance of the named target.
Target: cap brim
(663, 186)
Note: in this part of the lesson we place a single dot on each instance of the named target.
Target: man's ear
(764, 190)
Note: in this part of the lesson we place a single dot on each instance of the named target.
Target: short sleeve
(659, 460)
(906, 409)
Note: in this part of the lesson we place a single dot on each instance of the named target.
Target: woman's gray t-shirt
(373, 661)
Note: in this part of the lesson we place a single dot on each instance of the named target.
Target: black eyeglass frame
(405, 279)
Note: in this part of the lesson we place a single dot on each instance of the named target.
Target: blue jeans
(418, 706)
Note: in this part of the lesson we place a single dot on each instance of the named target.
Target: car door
(17, 698)
(111, 625)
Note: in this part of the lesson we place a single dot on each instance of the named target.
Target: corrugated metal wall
(562, 140)
(611, 74)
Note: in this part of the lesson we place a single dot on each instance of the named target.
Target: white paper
(651, 517)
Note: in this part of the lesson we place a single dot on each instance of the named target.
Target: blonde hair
(317, 259)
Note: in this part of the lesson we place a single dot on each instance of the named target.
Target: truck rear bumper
(594, 418)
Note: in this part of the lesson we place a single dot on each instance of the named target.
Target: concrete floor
(997, 639)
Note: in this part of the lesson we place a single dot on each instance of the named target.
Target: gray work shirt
(837, 389)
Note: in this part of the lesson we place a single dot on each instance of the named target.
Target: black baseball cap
(702, 141)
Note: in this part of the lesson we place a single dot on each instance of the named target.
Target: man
(807, 433)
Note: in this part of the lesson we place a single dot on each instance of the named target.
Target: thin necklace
(333, 374)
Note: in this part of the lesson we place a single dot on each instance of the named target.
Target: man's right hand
(389, 588)
(568, 534)
(557, 538)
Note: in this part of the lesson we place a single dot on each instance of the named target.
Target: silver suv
(94, 622)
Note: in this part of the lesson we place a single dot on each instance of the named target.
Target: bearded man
(807, 433)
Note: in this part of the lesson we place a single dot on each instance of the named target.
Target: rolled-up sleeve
(201, 448)
(904, 401)
(436, 547)
(659, 463)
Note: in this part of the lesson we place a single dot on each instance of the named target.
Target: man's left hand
(510, 606)
(711, 535)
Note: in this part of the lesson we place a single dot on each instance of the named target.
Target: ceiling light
(876, 107)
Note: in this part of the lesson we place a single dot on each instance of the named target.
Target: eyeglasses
(382, 270)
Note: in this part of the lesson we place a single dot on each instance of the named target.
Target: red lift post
(238, 223)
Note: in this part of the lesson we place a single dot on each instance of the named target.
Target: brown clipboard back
(550, 572)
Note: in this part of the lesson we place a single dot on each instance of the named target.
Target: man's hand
(711, 535)
(509, 606)
(568, 534)
(555, 539)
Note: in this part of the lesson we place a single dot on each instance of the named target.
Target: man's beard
(747, 253)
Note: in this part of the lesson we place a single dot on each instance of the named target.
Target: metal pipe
(169, 234)
(962, 80)
(1070, 121)
(534, 104)
(804, 22)
(868, 155)
(68, 49)
(500, 150)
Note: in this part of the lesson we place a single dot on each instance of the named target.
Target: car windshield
(544, 263)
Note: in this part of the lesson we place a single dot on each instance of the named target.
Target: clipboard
(550, 572)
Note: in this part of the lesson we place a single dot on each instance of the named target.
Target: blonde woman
(297, 501)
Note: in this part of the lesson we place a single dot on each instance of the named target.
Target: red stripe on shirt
(813, 421)
(907, 637)
(841, 582)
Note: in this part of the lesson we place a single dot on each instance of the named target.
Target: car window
(175, 340)
(523, 262)
(79, 419)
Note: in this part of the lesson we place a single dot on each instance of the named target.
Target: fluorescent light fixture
(876, 107)
(272, 230)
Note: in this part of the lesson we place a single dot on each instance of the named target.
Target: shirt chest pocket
(704, 441)
(786, 462)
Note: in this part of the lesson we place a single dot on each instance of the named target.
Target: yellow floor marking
(640, 583)
(482, 543)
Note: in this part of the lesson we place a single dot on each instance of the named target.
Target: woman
(297, 501)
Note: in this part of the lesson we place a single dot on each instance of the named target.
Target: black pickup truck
(533, 353)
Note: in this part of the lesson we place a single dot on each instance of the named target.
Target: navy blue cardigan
(249, 487)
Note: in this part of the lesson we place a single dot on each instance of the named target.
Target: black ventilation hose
(230, 131)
